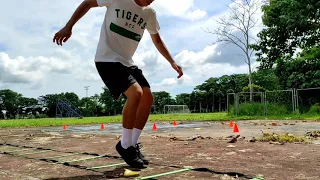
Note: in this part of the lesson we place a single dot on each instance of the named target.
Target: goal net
(175, 109)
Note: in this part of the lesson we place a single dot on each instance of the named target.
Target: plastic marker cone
(231, 123)
(129, 173)
(102, 126)
(175, 123)
(235, 128)
(154, 128)
(64, 127)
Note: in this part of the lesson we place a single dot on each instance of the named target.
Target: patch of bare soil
(211, 157)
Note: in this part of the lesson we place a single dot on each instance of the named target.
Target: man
(122, 29)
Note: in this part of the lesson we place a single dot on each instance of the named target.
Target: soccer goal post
(176, 109)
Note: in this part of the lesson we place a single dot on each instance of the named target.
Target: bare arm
(157, 41)
(64, 34)
(82, 9)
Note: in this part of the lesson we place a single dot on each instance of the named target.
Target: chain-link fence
(231, 103)
(279, 102)
(248, 107)
(240, 103)
(308, 100)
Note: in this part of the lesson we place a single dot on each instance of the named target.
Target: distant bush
(43, 116)
(257, 109)
(250, 109)
(315, 109)
(31, 116)
(278, 109)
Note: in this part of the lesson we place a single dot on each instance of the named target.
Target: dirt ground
(206, 149)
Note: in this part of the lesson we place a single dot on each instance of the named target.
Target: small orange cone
(154, 128)
(235, 129)
(64, 127)
(102, 126)
(231, 123)
(175, 123)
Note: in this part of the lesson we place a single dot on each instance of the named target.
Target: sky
(31, 64)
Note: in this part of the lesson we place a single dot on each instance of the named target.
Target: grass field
(154, 117)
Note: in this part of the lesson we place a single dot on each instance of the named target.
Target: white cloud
(35, 70)
(87, 72)
(190, 59)
(196, 15)
(184, 80)
(167, 82)
(179, 8)
(172, 8)
(33, 65)
(17, 70)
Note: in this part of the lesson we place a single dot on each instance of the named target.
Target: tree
(10, 102)
(237, 28)
(291, 24)
(300, 72)
(27, 105)
(72, 97)
(161, 99)
(217, 89)
(267, 79)
(108, 101)
(50, 101)
(2, 108)
(183, 99)
(88, 106)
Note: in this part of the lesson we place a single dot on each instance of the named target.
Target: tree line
(289, 25)
(210, 96)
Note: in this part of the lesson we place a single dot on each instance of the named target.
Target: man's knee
(134, 92)
(147, 95)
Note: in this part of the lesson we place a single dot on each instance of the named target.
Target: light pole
(86, 88)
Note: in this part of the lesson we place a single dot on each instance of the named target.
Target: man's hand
(157, 41)
(63, 35)
(178, 69)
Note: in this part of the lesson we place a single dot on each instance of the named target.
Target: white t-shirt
(122, 29)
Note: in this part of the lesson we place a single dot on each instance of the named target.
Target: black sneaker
(129, 156)
(139, 154)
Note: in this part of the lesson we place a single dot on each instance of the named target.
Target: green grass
(157, 117)
(282, 138)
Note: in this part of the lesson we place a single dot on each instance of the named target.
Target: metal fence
(308, 100)
(275, 102)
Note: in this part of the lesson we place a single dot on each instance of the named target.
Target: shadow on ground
(119, 173)
(115, 173)
(91, 177)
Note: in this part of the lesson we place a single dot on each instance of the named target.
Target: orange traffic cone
(175, 123)
(102, 126)
(64, 127)
(231, 123)
(235, 128)
(154, 128)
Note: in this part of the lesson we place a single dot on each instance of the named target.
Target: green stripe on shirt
(124, 32)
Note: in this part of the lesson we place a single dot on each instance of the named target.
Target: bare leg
(125, 147)
(144, 108)
(134, 94)
(141, 119)
(142, 114)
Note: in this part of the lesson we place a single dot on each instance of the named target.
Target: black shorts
(118, 78)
